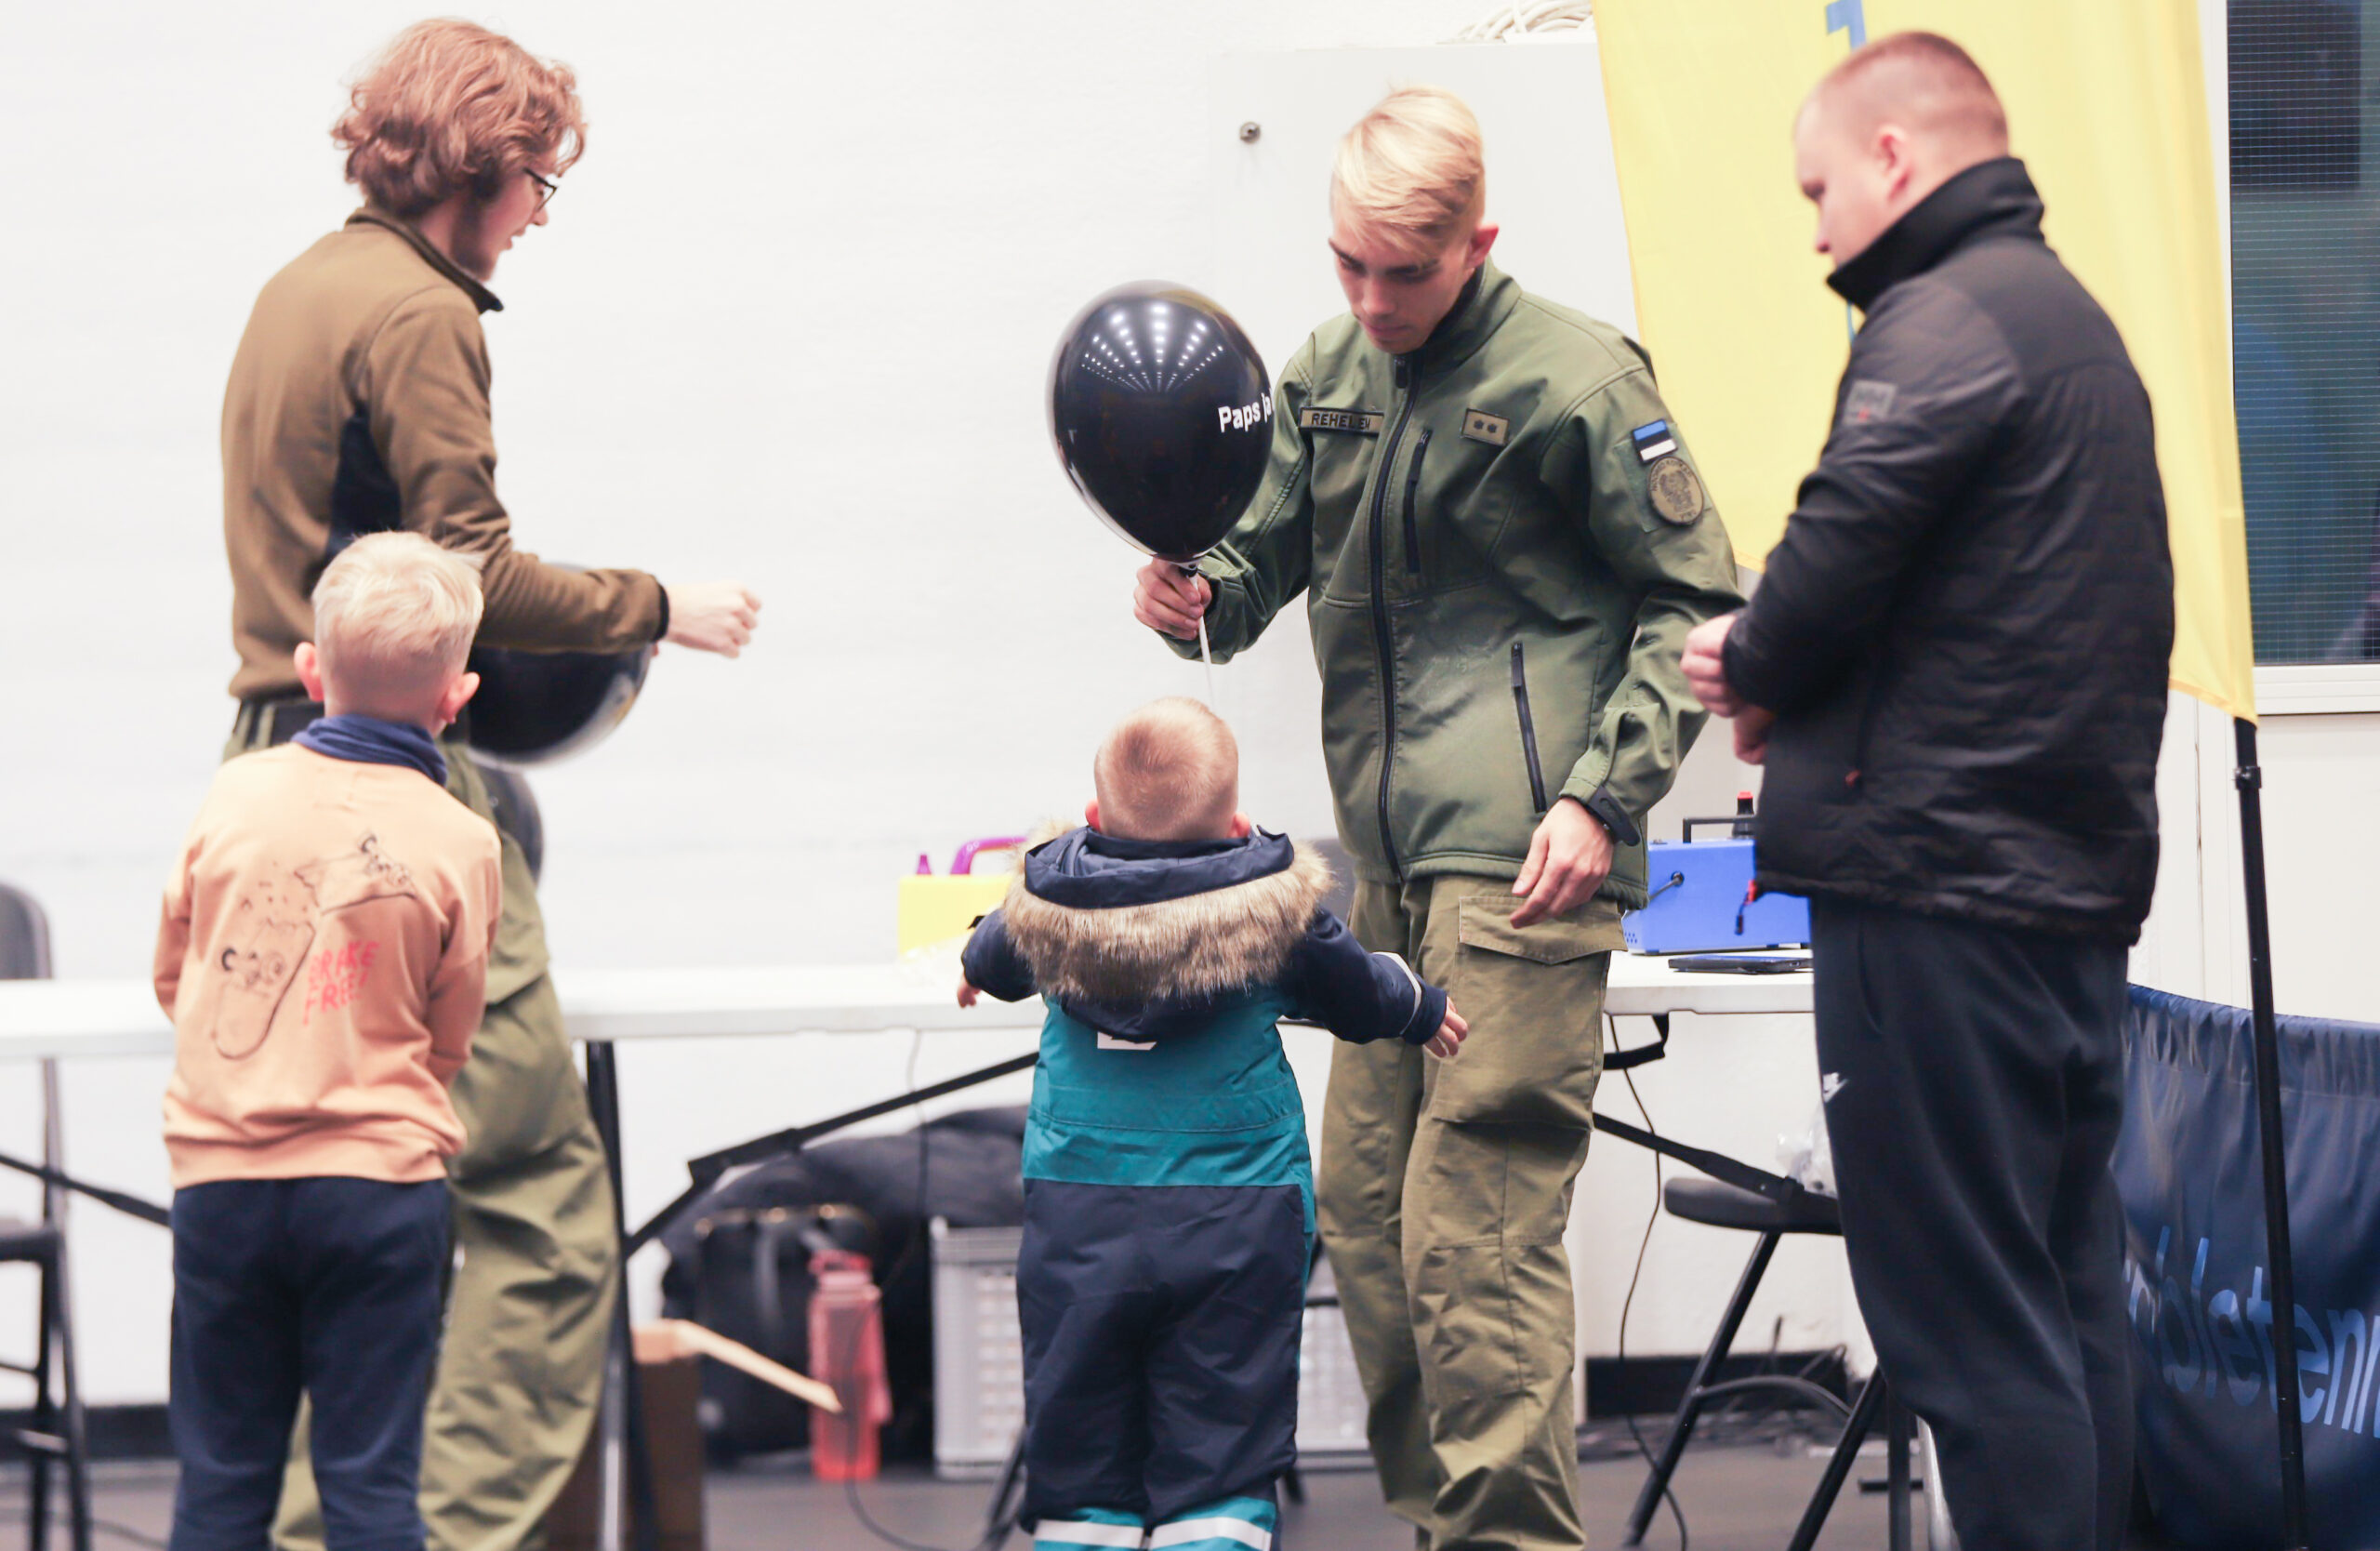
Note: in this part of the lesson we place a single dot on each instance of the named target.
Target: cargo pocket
(1534, 998)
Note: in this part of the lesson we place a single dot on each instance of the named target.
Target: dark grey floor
(1745, 1499)
(1736, 1499)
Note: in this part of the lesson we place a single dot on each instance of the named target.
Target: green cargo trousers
(529, 1299)
(1444, 1191)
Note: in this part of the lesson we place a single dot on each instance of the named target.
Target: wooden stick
(686, 1335)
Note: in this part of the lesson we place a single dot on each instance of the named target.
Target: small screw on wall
(1249, 131)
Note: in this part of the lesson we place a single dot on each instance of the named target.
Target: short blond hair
(1167, 771)
(1412, 172)
(394, 615)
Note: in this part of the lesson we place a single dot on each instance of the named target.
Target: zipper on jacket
(1412, 497)
(1382, 643)
(1528, 729)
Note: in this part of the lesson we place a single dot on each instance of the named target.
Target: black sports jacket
(1965, 632)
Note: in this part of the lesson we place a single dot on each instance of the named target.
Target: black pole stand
(624, 1459)
(2249, 778)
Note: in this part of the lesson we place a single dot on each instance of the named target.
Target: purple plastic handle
(965, 861)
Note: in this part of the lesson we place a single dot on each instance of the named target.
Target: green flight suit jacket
(1503, 541)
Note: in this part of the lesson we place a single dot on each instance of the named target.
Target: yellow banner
(2107, 106)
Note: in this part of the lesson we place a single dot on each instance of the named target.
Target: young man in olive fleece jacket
(1503, 541)
(358, 403)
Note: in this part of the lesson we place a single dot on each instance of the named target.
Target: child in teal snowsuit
(1169, 1213)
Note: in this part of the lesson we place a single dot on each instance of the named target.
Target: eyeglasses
(547, 187)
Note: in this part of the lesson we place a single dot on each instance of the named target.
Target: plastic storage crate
(979, 1362)
(978, 1356)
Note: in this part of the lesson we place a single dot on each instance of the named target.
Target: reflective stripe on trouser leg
(1091, 1527)
(1233, 1524)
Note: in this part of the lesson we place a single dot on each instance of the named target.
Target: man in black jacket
(1955, 671)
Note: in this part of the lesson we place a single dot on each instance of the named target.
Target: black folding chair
(54, 1433)
(1753, 1200)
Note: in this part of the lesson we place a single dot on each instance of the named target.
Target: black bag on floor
(739, 1263)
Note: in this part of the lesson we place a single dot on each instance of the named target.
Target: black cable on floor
(1620, 1357)
(994, 1535)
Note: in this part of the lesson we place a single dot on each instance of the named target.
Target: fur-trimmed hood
(1133, 928)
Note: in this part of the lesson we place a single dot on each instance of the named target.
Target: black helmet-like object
(534, 707)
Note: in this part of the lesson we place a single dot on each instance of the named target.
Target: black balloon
(535, 706)
(1162, 416)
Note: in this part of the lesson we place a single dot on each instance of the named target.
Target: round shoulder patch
(1676, 489)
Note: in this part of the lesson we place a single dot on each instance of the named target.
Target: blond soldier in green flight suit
(359, 402)
(1502, 542)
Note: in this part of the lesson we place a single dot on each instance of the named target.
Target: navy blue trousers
(1161, 1327)
(328, 1287)
(1975, 1086)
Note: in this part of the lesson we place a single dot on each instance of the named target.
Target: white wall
(789, 323)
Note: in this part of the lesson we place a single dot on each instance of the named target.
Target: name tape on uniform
(1364, 422)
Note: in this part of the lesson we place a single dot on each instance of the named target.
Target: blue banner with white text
(2199, 1283)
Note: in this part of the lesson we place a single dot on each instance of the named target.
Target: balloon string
(1207, 655)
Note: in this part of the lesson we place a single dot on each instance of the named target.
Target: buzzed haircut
(394, 615)
(1922, 81)
(1167, 771)
(1412, 171)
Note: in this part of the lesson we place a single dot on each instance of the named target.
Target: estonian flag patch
(1653, 440)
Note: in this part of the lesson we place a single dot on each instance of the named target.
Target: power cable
(998, 1531)
(1634, 1276)
(1508, 21)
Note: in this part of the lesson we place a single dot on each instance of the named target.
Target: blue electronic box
(1698, 905)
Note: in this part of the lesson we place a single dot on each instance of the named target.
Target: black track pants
(1975, 1088)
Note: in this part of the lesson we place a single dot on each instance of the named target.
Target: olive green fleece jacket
(1503, 541)
(358, 403)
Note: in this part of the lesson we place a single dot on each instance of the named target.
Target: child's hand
(1449, 1039)
(967, 994)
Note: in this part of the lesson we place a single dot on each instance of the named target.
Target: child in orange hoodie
(324, 956)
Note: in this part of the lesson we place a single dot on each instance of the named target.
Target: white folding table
(97, 1019)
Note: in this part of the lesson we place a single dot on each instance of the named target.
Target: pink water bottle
(847, 1354)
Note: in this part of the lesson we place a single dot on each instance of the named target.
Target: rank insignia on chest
(1363, 422)
(1654, 441)
(1480, 425)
